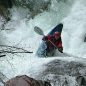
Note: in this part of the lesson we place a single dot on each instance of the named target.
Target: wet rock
(81, 80)
(62, 73)
(26, 81)
(35, 6)
(4, 5)
(85, 39)
(64, 67)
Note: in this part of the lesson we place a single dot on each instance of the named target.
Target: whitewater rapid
(21, 34)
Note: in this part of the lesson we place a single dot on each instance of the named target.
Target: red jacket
(58, 42)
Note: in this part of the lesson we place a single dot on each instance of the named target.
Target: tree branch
(7, 51)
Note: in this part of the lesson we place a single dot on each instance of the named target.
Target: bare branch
(2, 55)
(14, 52)
(9, 49)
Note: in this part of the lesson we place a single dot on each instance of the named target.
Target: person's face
(57, 37)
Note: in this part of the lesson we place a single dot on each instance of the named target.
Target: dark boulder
(26, 81)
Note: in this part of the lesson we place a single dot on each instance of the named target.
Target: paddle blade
(38, 30)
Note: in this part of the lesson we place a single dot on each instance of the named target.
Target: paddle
(40, 32)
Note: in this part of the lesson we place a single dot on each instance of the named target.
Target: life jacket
(57, 43)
